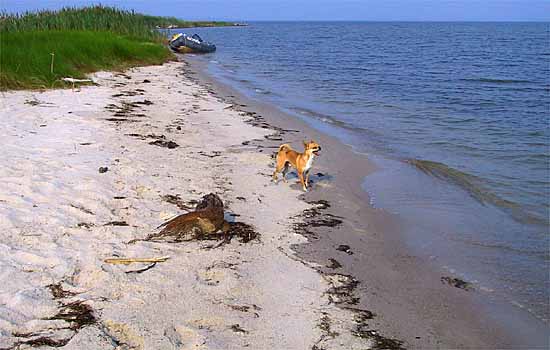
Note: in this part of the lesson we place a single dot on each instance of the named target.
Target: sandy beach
(162, 142)
(86, 171)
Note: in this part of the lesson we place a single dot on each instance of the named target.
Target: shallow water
(455, 115)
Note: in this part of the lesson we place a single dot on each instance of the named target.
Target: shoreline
(213, 25)
(475, 320)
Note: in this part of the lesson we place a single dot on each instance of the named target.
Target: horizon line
(368, 20)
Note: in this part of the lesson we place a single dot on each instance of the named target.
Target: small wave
(496, 81)
(536, 133)
(541, 253)
(263, 92)
(331, 120)
(460, 121)
(474, 187)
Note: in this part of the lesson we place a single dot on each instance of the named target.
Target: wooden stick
(51, 64)
(127, 261)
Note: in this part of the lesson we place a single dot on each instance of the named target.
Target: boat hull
(185, 44)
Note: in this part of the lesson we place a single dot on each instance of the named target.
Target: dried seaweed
(334, 264)
(176, 200)
(166, 144)
(343, 291)
(315, 217)
(58, 292)
(244, 232)
(238, 329)
(76, 313)
(457, 283)
(116, 223)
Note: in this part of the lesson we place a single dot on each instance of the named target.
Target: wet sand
(87, 171)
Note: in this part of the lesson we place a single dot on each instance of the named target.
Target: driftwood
(207, 221)
(127, 261)
(72, 80)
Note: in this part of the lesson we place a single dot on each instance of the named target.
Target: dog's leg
(277, 170)
(307, 178)
(301, 176)
(285, 170)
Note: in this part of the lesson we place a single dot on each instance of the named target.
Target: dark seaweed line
(343, 295)
(76, 313)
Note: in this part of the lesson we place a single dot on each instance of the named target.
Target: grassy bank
(27, 61)
(37, 49)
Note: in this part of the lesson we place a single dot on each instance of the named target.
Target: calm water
(455, 114)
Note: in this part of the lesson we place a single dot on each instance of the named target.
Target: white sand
(54, 205)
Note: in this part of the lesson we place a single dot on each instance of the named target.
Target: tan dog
(301, 161)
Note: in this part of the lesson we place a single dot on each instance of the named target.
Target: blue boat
(190, 44)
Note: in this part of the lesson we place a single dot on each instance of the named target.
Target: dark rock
(116, 223)
(334, 264)
(344, 248)
(457, 283)
(103, 169)
(167, 144)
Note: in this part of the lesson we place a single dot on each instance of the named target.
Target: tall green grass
(80, 41)
(26, 59)
(96, 18)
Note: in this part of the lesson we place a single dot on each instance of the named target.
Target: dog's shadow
(314, 178)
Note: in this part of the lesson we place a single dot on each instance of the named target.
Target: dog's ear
(305, 143)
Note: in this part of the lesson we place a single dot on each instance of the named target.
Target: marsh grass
(26, 57)
(96, 18)
(82, 40)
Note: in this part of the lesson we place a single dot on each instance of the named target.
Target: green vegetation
(26, 59)
(96, 18)
(165, 22)
(37, 49)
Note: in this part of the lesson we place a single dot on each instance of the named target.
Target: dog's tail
(285, 147)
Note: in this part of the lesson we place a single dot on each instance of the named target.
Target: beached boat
(183, 43)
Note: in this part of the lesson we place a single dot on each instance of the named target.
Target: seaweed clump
(457, 283)
(244, 232)
(316, 217)
(76, 313)
(342, 289)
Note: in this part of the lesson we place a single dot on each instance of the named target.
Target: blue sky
(369, 10)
